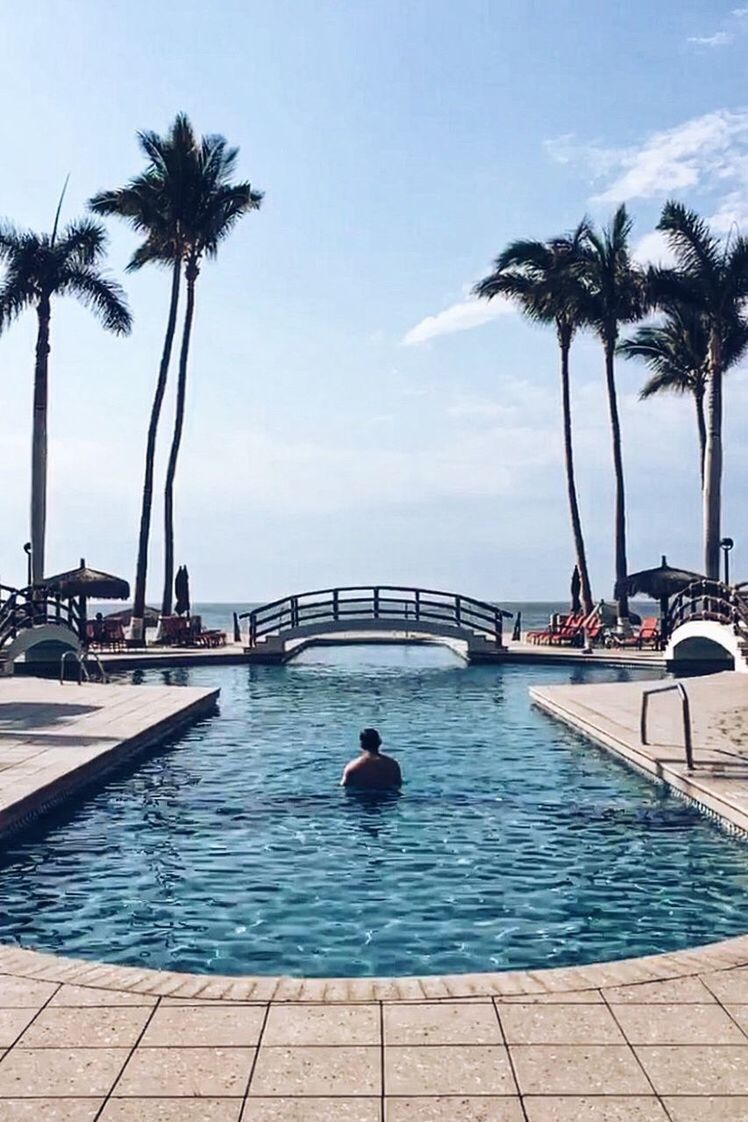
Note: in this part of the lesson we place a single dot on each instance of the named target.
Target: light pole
(27, 551)
(726, 545)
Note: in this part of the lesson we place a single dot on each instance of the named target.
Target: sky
(354, 416)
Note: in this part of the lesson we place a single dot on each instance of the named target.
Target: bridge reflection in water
(389, 613)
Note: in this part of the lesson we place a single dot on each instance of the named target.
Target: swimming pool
(513, 843)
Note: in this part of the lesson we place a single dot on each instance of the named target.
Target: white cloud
(653, 249)
(731, 214)
(458, 317)
(719, 39)
(705, 152)
(739, 13)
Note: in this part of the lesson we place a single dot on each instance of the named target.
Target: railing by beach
(711, 600)
(403, 607)
(21, 608)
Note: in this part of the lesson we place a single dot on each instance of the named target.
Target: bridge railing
(710, 600)
(397, 603)
(21, 608)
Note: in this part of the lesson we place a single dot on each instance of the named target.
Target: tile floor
(666, 1051)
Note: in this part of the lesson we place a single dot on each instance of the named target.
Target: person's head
(370, 741)
(99, 616)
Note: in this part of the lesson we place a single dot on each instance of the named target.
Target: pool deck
(661, 1039)
(236, 654)
(609, 715)
(56, 740)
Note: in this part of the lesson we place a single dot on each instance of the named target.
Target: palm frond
(696, 249)
(103, 296)
(82, 241)
(664, 383)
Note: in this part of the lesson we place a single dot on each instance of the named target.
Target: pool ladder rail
(83, 672)
(686, 710)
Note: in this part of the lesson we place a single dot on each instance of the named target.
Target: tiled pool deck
(645, 1040)
(598, 1044)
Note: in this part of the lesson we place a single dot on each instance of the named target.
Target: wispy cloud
(462, 316)
(718, 39)
(710, 151)
(739, 13)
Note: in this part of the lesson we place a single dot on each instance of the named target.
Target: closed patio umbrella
(576, 587)
(182, 591)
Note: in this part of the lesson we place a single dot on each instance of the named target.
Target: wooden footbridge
(385, 613)
(37, 624)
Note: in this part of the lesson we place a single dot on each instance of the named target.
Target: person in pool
(371, 771)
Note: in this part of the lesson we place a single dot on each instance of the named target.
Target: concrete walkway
(557, 1049)
(609, 714)
(55, 739)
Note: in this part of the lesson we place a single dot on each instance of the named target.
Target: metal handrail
(81, 668)
(686, 705)
(80, 657)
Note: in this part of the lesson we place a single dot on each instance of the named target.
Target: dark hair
(370, 740)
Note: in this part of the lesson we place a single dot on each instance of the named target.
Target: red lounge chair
(571, 632)
(648, 633)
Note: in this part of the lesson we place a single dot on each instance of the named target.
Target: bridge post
(252, 629)
(418, 603)
(336, 605)
(458, 610)
(499, 629)
(376, 603)
(294, 611)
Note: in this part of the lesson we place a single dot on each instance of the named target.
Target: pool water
(513, 843)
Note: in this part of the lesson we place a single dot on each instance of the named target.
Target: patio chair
(648, 633)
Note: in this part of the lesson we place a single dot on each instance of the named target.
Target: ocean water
(513, 843)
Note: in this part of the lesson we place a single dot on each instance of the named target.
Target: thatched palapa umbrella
(660, 584)
(87, 584)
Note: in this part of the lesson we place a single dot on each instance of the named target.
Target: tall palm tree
(185, 204)
(40, 268)
(151, 203)
(541, 278)
(677, 353)
(213, 206)
(712, 277)
(615, 294)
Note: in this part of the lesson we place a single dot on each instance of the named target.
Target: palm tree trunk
(39, 444)
(701, 422)
(564, 341)
(137, 629)
(713, 461)
(620, 509)
(191, 274)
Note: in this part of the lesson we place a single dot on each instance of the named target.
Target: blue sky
(353, 415)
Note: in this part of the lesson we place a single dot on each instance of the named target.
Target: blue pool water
(513, 843)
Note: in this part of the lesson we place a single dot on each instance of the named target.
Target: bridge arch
(36, 625)
(379, 613)
(708, 628)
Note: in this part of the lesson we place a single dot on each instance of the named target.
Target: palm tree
(677, 352)
(541, 278)
(185, 205)
(39, 268)
(615, 294)
(212, 207)
(711, 277)
(151, 204)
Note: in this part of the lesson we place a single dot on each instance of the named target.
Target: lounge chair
(648, 634)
